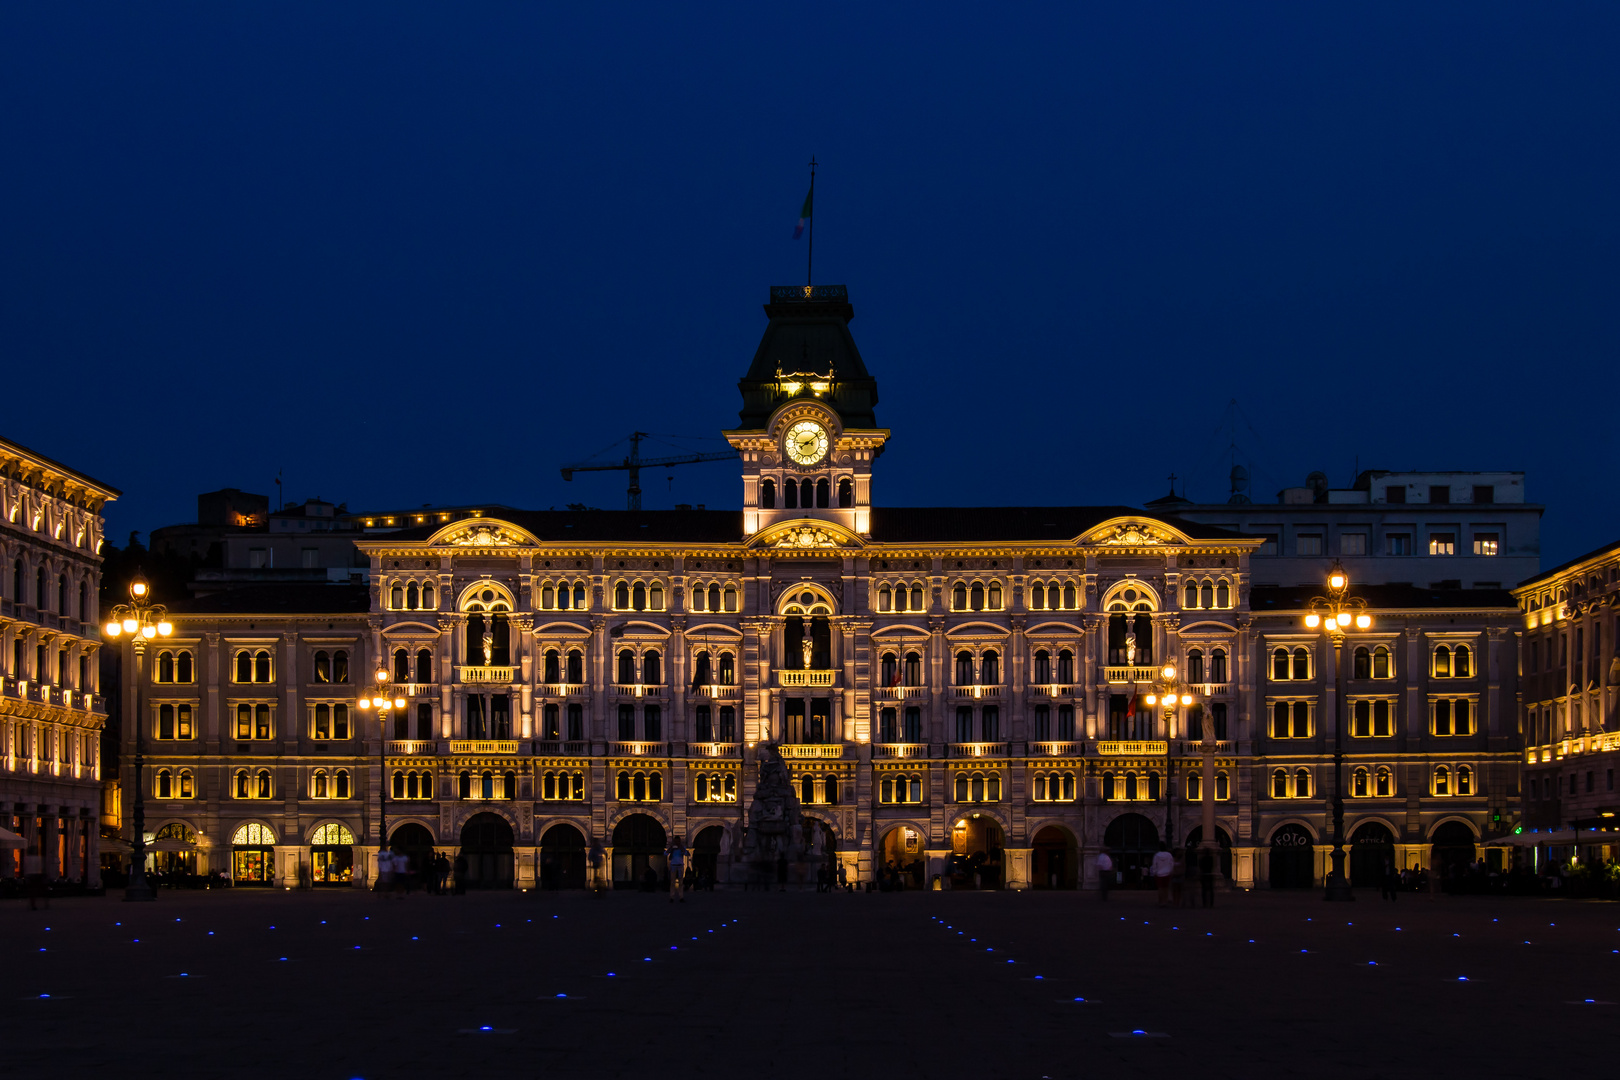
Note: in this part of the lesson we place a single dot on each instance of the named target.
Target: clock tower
(807, 436)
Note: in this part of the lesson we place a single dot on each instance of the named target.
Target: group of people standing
(1175, 887)
(397, 873)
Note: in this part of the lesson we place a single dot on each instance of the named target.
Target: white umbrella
(9, 839)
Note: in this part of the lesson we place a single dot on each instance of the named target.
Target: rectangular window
(1395, 493)
(1353, 544)
(1484, 493)
(1309, 544)
(1442, 543)
(1268, 544)
(1485, 543)
(1398, 543)
(1439, 493)
(309, 558)
(258, 558)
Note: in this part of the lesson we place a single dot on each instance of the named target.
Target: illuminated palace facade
(51, 710)
(959, 692)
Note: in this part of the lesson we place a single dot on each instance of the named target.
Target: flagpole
(810, 250)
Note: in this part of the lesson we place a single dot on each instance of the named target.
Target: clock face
(806, 442)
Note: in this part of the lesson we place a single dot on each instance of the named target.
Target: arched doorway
(253, 855)
(638, 848)
(174, 852)
(1196, 837)
(562, 858)
(902, 858)
(706, 854)
(1054, 863)
(417, 845)
(976, 860)
(331, 855)
(1371, 845)
(1293, 859)
(486, 841)
(1131, 840)
(1453, 850)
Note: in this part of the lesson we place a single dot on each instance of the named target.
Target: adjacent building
(956, 693)
(51, 709)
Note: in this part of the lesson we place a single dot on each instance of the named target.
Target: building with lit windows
(51, 710)
(1571, 616)
(968, 695)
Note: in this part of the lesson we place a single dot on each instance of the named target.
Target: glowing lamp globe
(114, 629)
(1169, 671)
(1337, 581)
(1363, 621)
(1152, 699)
(130, 626)
(1313, 620)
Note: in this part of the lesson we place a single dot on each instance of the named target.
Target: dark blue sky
(428, 254)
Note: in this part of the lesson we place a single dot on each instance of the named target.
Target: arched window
(1465, 780)
(244, 667)
(651, 668)
(486, 784)
(508, 785)
(627, 667)
(913, 672)
(1359, 783)
(165, 784)
(790, 494)
(962, 787)
(959, 597)
(829, 791)
(402, 666)
(428, 598)
(807, 494)
(890, 671)
(1195, 786)
(464, 784)
(1195, 666)
(1302, 720)
(976, 597)
(424, 666)
(398, 784)
(638, 596)
(1442, 663)
(846, 494)
(1381, 663)
(1302, 663)
(1043, 667)
(1460, 665)
(1191, 599)
(1037, 596)
(1302, 783)
(823, 493)
(396, 597)
(728, 669)
(239, 787)
(323, 666)
(1279, 665)
(1065, 666)
(576, 666)
(1382, 786)
(992, 669)
(1442, 780)
(183, 671)
(165, 667)
(1206, 595)
(767, 494)
(1279, 783)
(411, 596)
(964, 669)
(261, 666)
(262, 784)
(1069, 601)
(188, 786)
(1361, 663)
(552, 670)
(318, 785)
(1223, 594)
(621, 596)
(1221, 787)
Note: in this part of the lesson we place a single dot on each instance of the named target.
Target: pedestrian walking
(1162, 868)
(598, 860)
(1105, 874)
(677, 871)
(1390, 885)
(385, 871)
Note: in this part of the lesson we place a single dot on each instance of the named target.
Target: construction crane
(633, 463)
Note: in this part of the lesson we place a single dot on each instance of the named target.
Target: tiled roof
(890, 525)
(1263, 598)
(299, 598)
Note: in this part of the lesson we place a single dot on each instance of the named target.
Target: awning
(170, 845)
(1560, 838)
(9, 839)
(116, 846)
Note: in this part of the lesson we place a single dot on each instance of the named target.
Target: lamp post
(1334, 613)
(140, 621)
(381, 702)
(1168, 693)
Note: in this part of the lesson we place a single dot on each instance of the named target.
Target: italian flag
(804, 214)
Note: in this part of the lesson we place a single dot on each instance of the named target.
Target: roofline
(109, 492)
(1610, 548)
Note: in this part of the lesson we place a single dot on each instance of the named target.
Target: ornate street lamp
(1334, 613)
(1168, 694)
(140, 621)
(383, 704)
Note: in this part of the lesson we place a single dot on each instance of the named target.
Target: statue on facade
(1130, 645)
(807, 647)
(489, 646)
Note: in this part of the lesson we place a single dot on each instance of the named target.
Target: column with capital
(451, 627)
(524, 621)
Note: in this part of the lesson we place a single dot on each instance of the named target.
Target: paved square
(343, 984)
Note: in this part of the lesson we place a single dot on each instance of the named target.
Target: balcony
(1056, 749)
(720, 691)
(638, 749)
(1129, 674)
(636, 690)
(978, 691)
(1050, 690)
(403, 747)
(484, 746)
(791, 751)
(1140, 748)
(978, 749)
(806, 677)
(471, 674)
(899, 693)
(1194, 748)
(900, 750)
(560, 689)
(714, 749)
(556, 748)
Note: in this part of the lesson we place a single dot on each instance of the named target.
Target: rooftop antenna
(807, 220)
